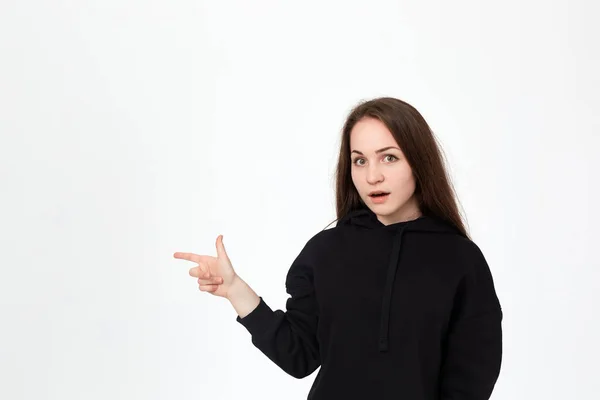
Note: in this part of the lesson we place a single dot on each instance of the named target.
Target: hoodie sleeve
(289, 338)
(473, 348)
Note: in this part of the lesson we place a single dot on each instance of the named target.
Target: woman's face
(387, 171)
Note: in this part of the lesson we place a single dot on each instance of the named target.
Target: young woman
(394, 302)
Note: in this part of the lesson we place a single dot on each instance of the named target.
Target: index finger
(190, 257)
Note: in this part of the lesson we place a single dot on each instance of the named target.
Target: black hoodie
(400, 311)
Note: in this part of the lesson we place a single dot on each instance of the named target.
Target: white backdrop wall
(134, 129)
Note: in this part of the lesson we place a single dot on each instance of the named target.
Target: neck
(408, 212)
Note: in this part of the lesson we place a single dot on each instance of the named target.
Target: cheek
(357, 181)
(404, 180)
(354, 177)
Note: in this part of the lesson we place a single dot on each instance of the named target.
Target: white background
(134, 129)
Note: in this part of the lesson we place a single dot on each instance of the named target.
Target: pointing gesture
(215, 274)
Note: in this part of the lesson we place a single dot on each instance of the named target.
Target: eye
(394, 158)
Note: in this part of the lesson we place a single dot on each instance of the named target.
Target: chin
(383, 209)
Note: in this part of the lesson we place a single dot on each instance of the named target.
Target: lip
(378, 191)
(379, 199)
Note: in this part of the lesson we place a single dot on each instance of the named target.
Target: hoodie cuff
(258, 319)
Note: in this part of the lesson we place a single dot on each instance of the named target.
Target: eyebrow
(376, 151)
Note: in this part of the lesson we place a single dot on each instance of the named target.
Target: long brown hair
(434, 191)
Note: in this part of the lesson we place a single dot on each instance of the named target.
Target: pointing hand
(215, 274)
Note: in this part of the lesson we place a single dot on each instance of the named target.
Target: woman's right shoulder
(316, 245)
(323, 237)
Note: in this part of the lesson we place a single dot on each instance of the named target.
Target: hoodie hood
(366, 219)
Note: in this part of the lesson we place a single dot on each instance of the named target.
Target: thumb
(221, 253)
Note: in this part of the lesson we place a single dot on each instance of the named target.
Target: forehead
(370, 134)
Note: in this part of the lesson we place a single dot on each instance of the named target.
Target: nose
(374, 175)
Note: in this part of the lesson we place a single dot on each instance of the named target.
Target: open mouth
(379, 198)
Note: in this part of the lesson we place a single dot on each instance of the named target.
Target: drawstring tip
(383, 345)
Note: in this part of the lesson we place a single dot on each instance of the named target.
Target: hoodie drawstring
(388, 290)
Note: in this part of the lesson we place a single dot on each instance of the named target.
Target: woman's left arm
(473, 346)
